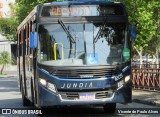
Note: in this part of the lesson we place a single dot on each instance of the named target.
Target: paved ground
(146, 97)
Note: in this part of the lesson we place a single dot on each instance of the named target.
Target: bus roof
(82, 2)
(31, 16)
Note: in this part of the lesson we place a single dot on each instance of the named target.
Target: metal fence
(146, 78)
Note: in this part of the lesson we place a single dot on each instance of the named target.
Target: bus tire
(109, 108)
(20, 84)
(32, 93)
(25, 101)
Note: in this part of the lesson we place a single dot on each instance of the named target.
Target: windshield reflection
(56, 48)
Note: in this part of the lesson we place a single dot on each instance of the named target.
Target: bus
(75, 53)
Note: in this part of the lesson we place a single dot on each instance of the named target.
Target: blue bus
(75, 53)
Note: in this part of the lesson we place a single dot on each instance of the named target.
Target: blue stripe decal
(47, 75)
(123, 71)
(60, 3)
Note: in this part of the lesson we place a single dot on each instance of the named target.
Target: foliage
(8, 28)
(18, 12)
(22, 11)
(154, 44)
(144, 15)
(141, 14)
(145, 25)
(4, 60)
(8, 25)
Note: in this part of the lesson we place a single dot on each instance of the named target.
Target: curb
(8, 76)
(146, 102)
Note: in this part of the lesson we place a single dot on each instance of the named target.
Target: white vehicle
(148, 59)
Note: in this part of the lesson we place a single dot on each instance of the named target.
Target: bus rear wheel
(32, 93)
(109, 108)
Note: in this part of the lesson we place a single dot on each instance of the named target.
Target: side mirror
(133, 32)
(33, 40)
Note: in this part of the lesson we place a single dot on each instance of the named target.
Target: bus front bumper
(49, 98)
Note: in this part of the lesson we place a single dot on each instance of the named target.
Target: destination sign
(81, 10)
(74, 11)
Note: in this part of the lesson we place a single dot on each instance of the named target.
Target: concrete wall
(5, 46)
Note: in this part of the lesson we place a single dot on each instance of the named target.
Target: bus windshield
(94, 44)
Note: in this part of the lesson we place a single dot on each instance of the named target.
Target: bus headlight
(127, 78)
(48, 85)
(43, 81)
(52, 87)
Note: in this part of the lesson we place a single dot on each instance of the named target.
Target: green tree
(22, 11)
(154, 45)
(141, 15)
(18, 12)
(4, 60)
(8, 28)
(145, 27)
(8, 25)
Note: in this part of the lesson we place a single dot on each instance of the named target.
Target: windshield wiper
(100, 31)
(66, 31)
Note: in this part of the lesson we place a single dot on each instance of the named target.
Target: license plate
(86, 96)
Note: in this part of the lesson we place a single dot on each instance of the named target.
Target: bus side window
(20, 44)
(46, 11)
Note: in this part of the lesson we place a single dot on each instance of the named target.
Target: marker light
(127, 78)
(51, 86)
(120, 84)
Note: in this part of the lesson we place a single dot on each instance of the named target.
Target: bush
(4, 60)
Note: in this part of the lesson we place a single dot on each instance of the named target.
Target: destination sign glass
(81, 10)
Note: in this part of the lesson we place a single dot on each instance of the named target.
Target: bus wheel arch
(109, 107)
(20, 83)
(32, 93)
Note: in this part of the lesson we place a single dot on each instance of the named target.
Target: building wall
(4, 8)
(5, 46)
(10, 47)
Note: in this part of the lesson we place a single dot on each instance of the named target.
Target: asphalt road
(10, 97)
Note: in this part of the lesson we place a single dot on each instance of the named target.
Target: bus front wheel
(109, 108)
(25, 101)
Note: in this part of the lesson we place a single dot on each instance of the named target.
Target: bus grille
(75, 95)
(83, 73)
